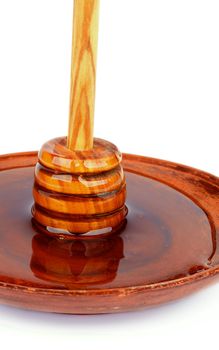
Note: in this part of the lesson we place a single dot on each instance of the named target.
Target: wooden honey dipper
(79, 184)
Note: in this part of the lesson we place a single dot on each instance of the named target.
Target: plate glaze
(168, 248)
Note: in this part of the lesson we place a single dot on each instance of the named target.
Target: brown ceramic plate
(168, 249)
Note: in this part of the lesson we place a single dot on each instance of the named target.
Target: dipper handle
(83, 75)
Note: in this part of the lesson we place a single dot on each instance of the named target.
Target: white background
(157, 95)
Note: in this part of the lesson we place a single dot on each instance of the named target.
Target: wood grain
(104, 156)
(83, 74)
(79, 184)
(76, 192)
